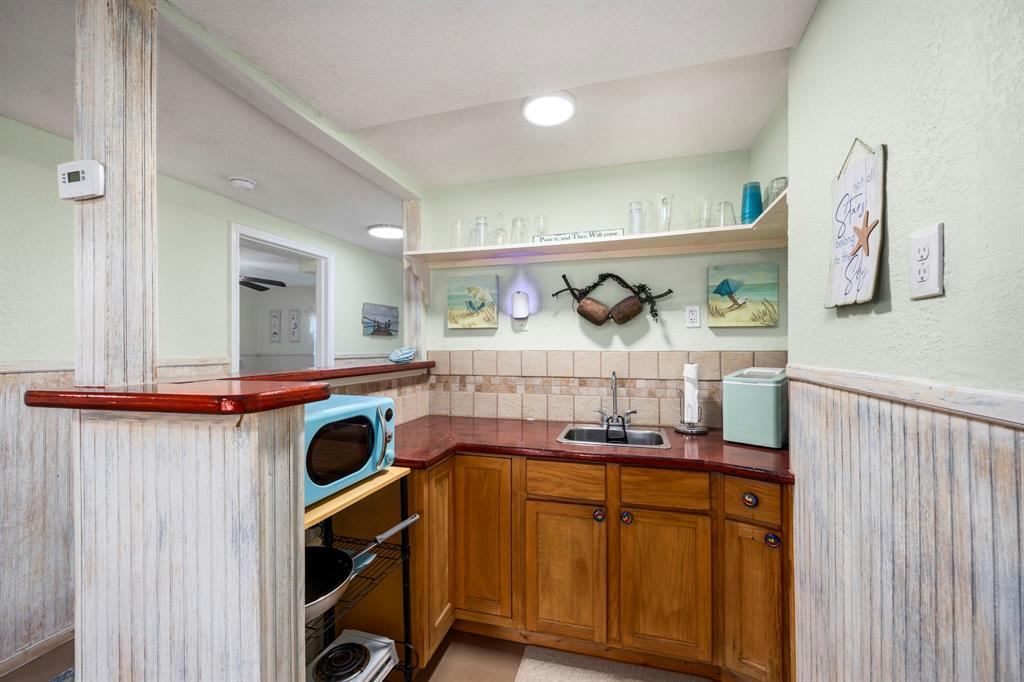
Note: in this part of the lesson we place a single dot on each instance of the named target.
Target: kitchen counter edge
(423, 442)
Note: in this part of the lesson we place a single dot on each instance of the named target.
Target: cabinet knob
(750, 500)
(626, 518)
(599, 515)
(772, 540)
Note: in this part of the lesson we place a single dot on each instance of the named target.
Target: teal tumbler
(752, 206)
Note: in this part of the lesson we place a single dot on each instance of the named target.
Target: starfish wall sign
(863, 233)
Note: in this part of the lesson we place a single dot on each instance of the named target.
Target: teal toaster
(755, 406)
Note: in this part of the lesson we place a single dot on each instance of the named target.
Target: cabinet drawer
(757, 501)
(665, 488)
(565, 480)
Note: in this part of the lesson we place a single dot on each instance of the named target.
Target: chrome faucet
(615, 419)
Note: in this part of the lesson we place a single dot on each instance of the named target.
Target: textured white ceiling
(698, 110)
(368, 62)
(435, 87)
(257, 260)
(204, 132)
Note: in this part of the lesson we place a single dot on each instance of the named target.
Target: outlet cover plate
(925, 262)
(692, 316)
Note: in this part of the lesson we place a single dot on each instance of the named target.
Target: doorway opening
(282, 303)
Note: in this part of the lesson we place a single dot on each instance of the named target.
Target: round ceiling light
(549, 110)
(384, 231)
(238, 182)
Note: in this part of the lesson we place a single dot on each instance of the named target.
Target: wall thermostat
(80, 180)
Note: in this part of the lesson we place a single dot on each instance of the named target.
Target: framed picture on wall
(743, 295)
(472, 302)
(380, 320)
(275, 326)
(294, 322)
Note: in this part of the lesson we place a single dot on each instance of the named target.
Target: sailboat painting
(743, 295)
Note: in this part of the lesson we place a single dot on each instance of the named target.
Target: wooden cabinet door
(752, 601)
(566, 564)
(483, 534)
(665, 582)
(440, 530)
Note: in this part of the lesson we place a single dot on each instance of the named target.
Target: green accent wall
(193, 242)
(942, 85)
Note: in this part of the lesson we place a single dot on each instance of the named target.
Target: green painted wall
(193, 232)
(36, 248)
(769, 157)
(598, 198)
(943, 86)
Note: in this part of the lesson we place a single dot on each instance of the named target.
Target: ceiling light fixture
(238, 182)
(549, 110)
(384, 231)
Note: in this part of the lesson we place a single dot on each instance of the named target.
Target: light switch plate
(692, 316)
(926, 262)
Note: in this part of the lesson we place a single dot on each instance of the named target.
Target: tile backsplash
(565, 385)
(409, 393)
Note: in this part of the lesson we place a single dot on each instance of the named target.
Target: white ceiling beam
(191, 41)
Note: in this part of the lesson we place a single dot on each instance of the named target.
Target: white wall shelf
(767, 232)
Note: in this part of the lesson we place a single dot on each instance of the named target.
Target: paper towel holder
(696, 428)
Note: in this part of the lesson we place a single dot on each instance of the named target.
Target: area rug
(66, 676)
(546, 665)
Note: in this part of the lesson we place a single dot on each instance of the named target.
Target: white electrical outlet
(926, 262)
(692, 316)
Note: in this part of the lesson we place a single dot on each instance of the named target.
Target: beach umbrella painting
(728, 287)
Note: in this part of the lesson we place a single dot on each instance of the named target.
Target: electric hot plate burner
(341, 663)
(354, 657)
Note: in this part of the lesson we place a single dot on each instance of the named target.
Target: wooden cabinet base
(590, 649)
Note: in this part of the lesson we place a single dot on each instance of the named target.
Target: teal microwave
(755, 406)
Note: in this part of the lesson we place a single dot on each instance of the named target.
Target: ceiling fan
(258, 283)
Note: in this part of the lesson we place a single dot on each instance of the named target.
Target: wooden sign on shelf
(855, 244)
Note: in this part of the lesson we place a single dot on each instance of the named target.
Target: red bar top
(196, 397)
(423, 442)
(314, 374)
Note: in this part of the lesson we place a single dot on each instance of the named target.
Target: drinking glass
(540, 227)
(636, 217)
(665, 212)
(478, 237)
(458, 234)
(518, 230)
(752, 205)
(726, 215)
(499, 236)
(702, 210)
(775, 188)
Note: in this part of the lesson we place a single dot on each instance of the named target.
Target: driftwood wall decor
(622, 312)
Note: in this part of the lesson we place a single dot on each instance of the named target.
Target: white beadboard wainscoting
(36, 592)
(209, 507)
(908, 518)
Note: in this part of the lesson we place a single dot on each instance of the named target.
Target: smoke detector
(238, 182)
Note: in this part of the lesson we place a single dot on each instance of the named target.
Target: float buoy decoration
(598, 313)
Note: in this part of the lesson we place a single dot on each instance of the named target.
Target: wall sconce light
(520, 305)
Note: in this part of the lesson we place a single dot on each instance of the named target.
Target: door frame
(323, 351)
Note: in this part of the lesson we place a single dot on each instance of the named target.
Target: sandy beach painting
(473, 302)
(743, 295)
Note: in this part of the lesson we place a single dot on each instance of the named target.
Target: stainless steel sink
(592, 434)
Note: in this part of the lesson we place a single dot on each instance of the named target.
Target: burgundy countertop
(240, 394)
(196, 397)
(314, 374)
(422, 442)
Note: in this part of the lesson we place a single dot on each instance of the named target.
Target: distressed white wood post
(115, 235)
(413, 325)
(188, 529)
